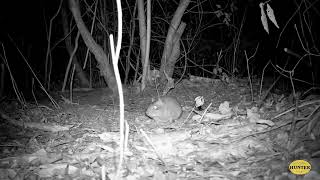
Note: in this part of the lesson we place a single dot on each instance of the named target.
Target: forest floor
(238, 136)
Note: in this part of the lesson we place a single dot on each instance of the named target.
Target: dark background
(27, 22)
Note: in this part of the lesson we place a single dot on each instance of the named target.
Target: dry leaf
(224, 108)
(199, 101)
(264, 20)
(271, 16)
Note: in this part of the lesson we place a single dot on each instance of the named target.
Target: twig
(305, 103)
(32, 92)
(248, 69)
(237, 42)
(55, 104)
(276, 67)
(152, 145)
(71, 82)
(285, 26)
(204, 113)
(294, 118)
(70, 61)
(314, 117)
(133, 28)
(92, 26)
(48, 53)
(185, 63)
(115, 58)
(14, 84)
(262, 77)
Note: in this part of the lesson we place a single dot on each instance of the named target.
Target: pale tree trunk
(143, 42)
(79, 72)
(142, 30)
(105, 69)
(171, 50)
(146, 66)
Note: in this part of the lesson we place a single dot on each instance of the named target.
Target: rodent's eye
(155, 107)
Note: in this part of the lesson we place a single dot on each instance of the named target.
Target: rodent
(165, 109)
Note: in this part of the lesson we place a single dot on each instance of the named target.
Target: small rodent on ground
(166, 108)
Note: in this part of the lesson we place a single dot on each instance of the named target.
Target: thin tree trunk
(142, 33)
(84, 82)
(146, 67)
(132, 27)
(105, 69)
(171, 50)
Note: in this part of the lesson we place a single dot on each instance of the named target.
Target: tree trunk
(171, 49)
(132, 27)
(105, 69)
(84, 82)
(146, 66)
(142, 30)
